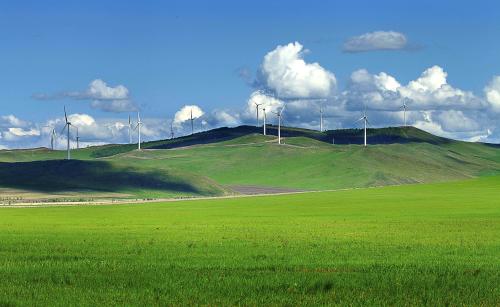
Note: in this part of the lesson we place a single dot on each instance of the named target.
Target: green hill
(215, 161)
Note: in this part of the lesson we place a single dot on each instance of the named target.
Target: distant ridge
(389, 135)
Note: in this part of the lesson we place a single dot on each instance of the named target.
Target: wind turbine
(67, 126)
(264, 109)
(129, 130)
(192, 122)
(365, 121)
(279, 113)
(77, 139)
(320, 118)
(171, 129)
(52, 138)
(404, 107)
(257, 105)
(138, 127)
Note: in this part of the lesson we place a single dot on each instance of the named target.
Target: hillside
(221, 161)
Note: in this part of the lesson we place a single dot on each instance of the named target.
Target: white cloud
(431, 91)
(271, 104)
(456, 121)
(492, 93)
(98, 89)
(378, 40)
(81, 120)
(12, 121)
(224, 118)
(285, 73)
(106, 98)
(185, 113)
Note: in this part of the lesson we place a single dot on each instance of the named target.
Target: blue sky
(172, 53)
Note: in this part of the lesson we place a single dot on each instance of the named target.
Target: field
(228, 160)
(426, 244)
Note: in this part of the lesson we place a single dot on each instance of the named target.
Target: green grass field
(210, 163)
(434, 244)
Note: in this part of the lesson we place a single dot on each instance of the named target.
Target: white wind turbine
(67, 126)
(257, 105)
(404, 107)
(192, 122)
(320, 118)
(129, 130)
(77, 139)
(138, 127)
(279, 114)
(365, 122)
(171, 129)
(52, 138)
(264, 109)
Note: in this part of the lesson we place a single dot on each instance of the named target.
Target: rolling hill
(221, 161)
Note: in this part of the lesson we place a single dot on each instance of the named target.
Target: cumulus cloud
(492, 93)
(285, 73)
(186, 112)
(12, 121)
(431, 90)
(106, 98)
(378, 40)
(270, 103)
(223, 118)
(98, 89)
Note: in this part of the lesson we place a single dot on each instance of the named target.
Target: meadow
(426, 244)
(212, 163)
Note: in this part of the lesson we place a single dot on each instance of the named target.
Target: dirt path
(257, 190)
(270, 191)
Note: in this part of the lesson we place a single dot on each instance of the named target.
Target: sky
(106, 60)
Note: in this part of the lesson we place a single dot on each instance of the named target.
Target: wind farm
(345, 189)
(250, 153)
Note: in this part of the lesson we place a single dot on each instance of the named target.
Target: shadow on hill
(390, 135)
(205, 137)
(64, 175)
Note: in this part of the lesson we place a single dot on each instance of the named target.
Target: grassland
(432, 244)
(212, 162)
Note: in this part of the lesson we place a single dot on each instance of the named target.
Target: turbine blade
(64, 128)
(65, 115)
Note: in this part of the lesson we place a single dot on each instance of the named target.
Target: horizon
(269, 133)
(105, 63)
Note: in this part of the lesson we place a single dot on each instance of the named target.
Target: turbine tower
(77, 139)
(171, 129)
(320, 118)
(264, 109)
(67, 126)
(129, 130)
(365, 122)
(404, 107)
(52, 138)
(139, 124)
(192, 122)
(257, 105)
(279, 114)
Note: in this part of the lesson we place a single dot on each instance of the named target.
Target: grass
(435, 244)
(308, 164)
(103, 176)
(210, 162)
